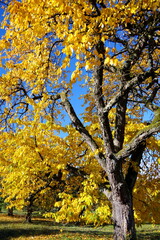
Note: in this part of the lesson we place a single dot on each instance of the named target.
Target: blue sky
(1, 18)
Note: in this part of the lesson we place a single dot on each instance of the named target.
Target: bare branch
(123, 89)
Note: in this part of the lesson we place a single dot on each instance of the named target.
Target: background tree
(29, 169)
(45, 173)
(116, 44)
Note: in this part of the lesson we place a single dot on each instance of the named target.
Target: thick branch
(82, 130)
(138, 139)
(120, 123)
(132, 172)
(99, 101)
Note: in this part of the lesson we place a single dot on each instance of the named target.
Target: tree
(43, 172)
(27, 172)
(115, 48)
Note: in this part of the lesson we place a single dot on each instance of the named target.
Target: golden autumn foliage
(104, 54)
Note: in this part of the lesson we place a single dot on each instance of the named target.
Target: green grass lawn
(14, 228)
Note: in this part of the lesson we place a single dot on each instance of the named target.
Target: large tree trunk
(122, 204)
(123, 219)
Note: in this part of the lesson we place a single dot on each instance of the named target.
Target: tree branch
(141, 136)
(123, 89)
(82, 130)
(99, 100)
(120, 123)
(134, 164)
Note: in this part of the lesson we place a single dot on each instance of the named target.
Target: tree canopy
(107, 54)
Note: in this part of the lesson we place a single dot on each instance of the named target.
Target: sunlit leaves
(48, 48)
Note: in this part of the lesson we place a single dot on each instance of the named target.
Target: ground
(15, 228)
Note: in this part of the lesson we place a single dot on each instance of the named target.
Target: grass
(14, 228)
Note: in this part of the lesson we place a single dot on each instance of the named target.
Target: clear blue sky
(1, 18)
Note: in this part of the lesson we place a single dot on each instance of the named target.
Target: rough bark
(121, 200)
(123, 218)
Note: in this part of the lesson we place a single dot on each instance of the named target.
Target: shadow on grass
(149, 236)
(17, 229)
(7, 234)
